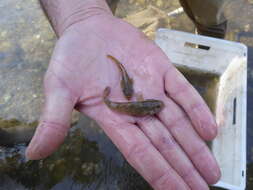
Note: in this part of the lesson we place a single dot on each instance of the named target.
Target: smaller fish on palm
(126, 82)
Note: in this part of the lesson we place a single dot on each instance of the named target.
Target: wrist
(64, 13)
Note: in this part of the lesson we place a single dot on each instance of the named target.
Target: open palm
(168, 149)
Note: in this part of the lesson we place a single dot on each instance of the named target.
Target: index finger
(183, 93)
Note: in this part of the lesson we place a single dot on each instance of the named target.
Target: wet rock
(130, 7)
(149, 20)
(26, 44)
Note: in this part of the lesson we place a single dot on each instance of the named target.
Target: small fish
(126, 82)
(135, 108)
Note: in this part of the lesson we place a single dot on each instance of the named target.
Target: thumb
(54, 124)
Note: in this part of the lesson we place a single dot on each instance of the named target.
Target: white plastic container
(228, 61)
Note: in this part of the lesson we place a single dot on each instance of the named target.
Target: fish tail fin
(116, 61)
(113, 59)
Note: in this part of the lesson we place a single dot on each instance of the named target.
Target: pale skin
(168, 150)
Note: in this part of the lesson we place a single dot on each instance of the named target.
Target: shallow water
(26, 43)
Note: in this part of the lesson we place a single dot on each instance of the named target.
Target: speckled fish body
(135, 108)
(126, 82)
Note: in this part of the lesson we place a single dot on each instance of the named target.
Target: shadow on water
(86, 160)
(250, 107)
(77, 160)
(250, 120)
(14, 131)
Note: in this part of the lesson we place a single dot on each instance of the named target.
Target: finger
(143, 156)
(180, 127)
(180, 90)
(172, 152)
(54, 123)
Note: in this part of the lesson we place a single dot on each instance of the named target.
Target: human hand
(168, 150)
